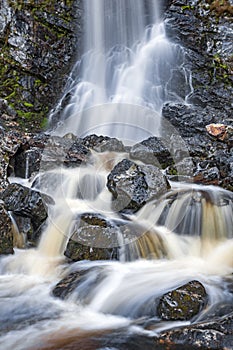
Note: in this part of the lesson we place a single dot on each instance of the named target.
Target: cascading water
(128, 62)
(185, 235)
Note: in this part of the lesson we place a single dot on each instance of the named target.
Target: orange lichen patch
(217, 130)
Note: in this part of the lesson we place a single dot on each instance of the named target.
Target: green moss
(44, 123)
(26, 115)
(187, 7)
(26, 104)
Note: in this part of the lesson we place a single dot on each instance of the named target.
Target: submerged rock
(6, 233)
(132, 185)
(69, 284)
(182, 303)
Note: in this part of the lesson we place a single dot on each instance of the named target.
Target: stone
(132, 185)
(25, 202)
(60, 151)
(212, 334)
(93, 238)
(72, 281)
(103, 143)
(153, 151)
(6, 234)
(77, 154)
(182, 303)
(217, 130)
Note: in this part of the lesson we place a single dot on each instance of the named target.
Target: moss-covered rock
(183, 303)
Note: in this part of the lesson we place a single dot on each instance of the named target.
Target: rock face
(6, 234)
(203, 28)
(132, 185)
(183, 303)
(38, 43)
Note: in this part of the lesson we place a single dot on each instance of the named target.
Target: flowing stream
(185, 235)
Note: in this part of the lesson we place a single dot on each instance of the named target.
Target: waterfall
(118, 88)
(127, 63)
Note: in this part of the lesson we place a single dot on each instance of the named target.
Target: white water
(121, 70)
(115, 295)
(128, 63)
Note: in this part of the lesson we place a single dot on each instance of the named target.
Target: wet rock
(25, 202)
(93, 238)
(28, 162)
(211, 157)
(6, 234)
(183, 303)
(25, 230)
(10, 142)
(153, 151)
(132, 185)
(64, 151)
(204, 31)
(215, 334)
(90, 277)
(103, 143)
(77, 154)
(38, 47)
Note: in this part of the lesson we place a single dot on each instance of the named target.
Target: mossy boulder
(183, 303)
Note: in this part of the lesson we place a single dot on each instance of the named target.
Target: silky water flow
(127, 67)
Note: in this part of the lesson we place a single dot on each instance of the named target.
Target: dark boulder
(103, 143)
(182, 303)
(93, 238)
(71, 283)
(211, 156)
(77, 154)
(214, 334)
(26, 161)
(25, 202)
(7, 233)
(66, 151)
(153, 151)
(132, 185)
(10, 142)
